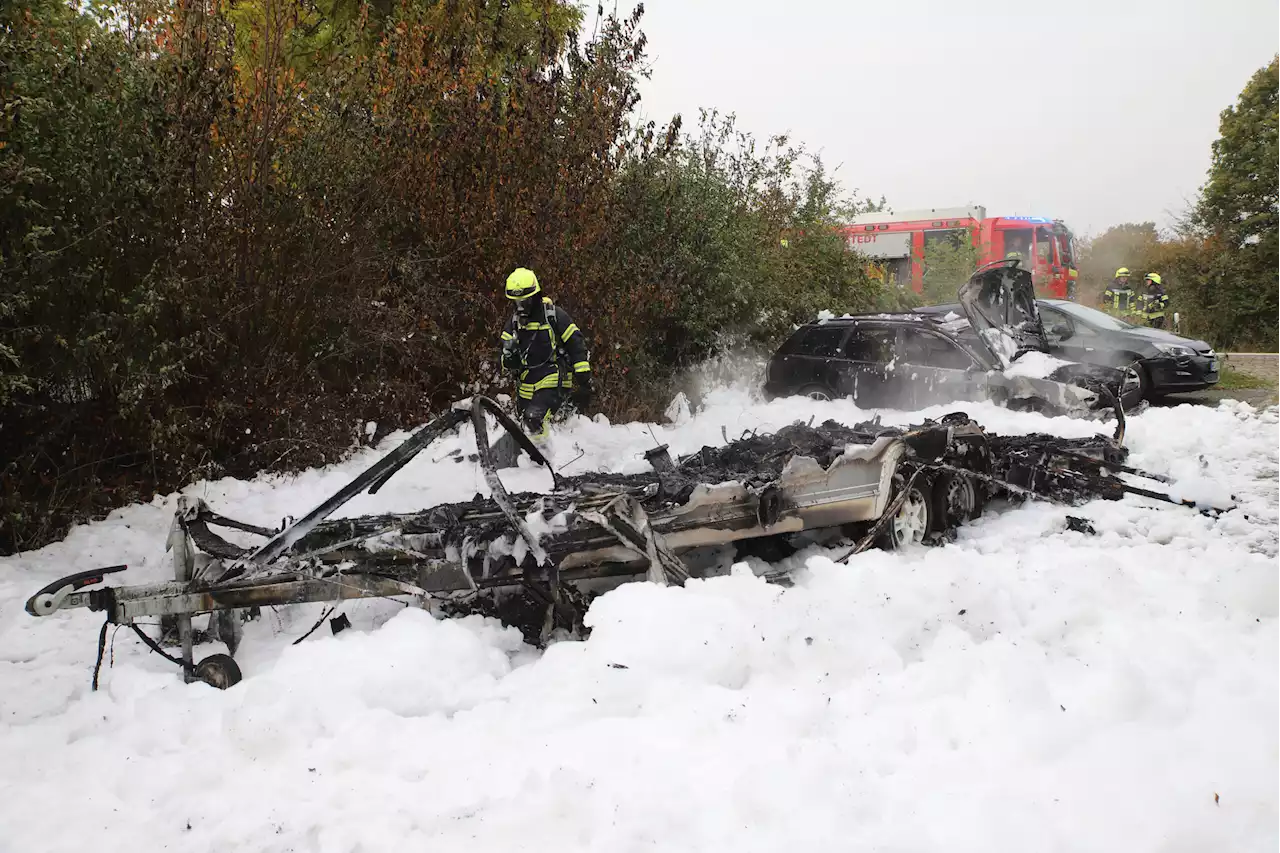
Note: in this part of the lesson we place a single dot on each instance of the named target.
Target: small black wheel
(956, 499)
(914, 520)
(815, 392)
(220, 671)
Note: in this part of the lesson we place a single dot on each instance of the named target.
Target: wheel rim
(960, 498)
(912, 520)
(815, 394)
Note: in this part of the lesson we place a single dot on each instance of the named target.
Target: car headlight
(1175, 350)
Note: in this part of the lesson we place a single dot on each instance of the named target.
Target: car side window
(928, 350)
(822, 341)
(1051, 316)
(872, 345)
(1057, 325)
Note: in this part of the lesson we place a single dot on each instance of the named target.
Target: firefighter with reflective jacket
(547, 351)
(1154, 301)
(1119, 299)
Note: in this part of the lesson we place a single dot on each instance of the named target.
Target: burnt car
(992, 347)
(1165, 363)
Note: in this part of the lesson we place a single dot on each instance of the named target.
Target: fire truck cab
(900, 243)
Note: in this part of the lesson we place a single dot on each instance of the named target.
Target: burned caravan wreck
(874, 484)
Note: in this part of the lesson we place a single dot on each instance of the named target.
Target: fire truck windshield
(1066, 247)
(1044, 246)
(1018, 240)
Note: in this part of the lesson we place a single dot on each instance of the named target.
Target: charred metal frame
(612, 526)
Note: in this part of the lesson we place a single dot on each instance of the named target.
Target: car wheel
(1144, 382)
(914, 519)
(816, 392)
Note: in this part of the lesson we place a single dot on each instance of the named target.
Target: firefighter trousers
(537, 411)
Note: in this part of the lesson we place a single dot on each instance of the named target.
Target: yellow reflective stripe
(535, 327)
(573, 327)
(507, 336)
(581, 366)
(525, 395)
(545, 428)
(551, 381)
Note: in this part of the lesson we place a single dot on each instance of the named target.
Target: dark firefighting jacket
(546, 350)
(1119, 301)
(1154, 302)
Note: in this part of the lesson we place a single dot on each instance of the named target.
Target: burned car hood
(1000, 302)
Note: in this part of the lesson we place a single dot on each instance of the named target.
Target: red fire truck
(900, 243)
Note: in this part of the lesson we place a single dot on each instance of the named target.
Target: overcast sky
(1091, 111)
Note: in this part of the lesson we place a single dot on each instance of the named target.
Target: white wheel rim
(819, 395)
(911, 521)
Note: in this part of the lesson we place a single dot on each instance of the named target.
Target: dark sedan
(1166, 363)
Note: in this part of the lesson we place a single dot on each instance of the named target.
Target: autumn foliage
(232, 234)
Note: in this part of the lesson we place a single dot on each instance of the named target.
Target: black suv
(912, 360)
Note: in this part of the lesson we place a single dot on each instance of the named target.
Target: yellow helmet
(1123, 271)
(522, 284)
(1154, 276)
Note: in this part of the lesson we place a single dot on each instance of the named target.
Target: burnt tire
(220, 671)
(914, 520)
(957, 498)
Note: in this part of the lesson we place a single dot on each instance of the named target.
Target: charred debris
(535, 560)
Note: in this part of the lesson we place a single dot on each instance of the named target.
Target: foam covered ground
(1025, 688)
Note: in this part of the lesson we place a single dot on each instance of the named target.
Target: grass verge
(1237, 380)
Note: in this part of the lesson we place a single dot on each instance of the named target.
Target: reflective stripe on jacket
(548, 349)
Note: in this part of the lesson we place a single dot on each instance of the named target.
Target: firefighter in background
(548, 353)
(1119, 299)
(1154, 301)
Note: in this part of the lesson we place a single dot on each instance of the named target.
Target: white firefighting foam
(1024, 688)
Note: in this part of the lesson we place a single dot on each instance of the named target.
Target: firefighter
(547, 351)
(1154, 301)
(1119, 299)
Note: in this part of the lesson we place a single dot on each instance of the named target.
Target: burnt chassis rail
(609, 525)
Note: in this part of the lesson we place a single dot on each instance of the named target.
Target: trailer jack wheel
(219, 671)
